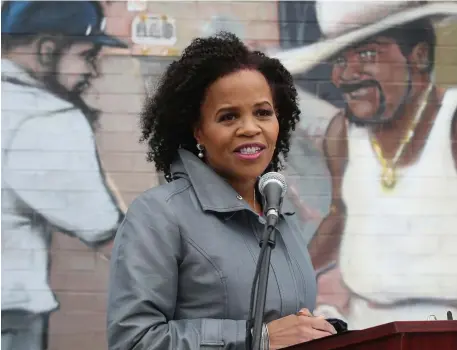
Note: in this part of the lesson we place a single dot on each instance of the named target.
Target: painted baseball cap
(82, 20)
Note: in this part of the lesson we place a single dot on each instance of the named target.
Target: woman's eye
(264, 112)
(227, 117)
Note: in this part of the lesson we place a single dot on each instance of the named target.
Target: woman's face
(238, 126)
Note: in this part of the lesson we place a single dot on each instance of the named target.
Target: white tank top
(402, 245)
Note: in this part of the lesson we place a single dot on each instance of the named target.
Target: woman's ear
(197, 133)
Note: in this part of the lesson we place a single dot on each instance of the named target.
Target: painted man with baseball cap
(386, 251)
(52, 180)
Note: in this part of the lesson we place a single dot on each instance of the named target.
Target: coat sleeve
(144, 286)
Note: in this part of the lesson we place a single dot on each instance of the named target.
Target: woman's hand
(296, 329)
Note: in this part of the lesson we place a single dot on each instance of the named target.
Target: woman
(184, 257)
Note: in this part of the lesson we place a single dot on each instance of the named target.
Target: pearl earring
(200, 148)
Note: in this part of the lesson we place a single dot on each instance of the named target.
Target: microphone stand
(268, 243)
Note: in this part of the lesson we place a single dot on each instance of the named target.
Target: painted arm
(53, 167)
(324, 246)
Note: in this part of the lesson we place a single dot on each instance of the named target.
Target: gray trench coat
(183, 263)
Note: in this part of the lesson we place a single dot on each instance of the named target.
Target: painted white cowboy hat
(344, 23)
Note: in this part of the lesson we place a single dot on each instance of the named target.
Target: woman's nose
(250, 126)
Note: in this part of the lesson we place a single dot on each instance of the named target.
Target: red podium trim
(355, 339)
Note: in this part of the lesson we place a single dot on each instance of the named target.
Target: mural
(383, 248)
(372, 170)
(52, 178)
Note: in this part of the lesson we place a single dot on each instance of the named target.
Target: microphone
(272, 187)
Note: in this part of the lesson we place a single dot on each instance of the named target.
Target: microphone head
(273, 177)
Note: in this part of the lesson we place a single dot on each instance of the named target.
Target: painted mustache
(347, 88)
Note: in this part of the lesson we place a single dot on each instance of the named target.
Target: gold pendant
(388, 178)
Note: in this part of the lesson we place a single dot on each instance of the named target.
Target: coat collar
(212, 191)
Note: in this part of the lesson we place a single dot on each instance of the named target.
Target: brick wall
(78, 274)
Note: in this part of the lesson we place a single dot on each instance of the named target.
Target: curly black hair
(168, 118)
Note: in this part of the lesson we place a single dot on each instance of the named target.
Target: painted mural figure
(386, 251)
(52, 179)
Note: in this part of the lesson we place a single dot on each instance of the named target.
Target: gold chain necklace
(388, 173)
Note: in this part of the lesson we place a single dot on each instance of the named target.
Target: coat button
(239, 197)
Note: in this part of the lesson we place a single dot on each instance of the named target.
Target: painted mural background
(384, 201)
(74, 77)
